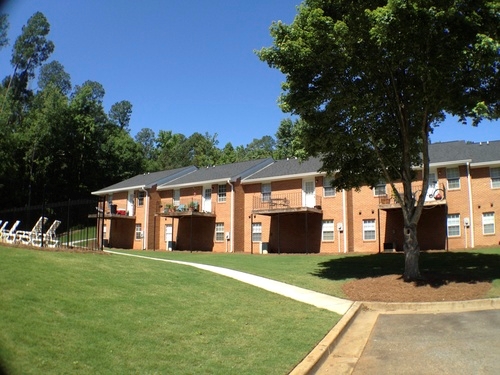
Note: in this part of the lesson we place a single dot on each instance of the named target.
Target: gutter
(344, 218)
(146, 211)
(231, 233)
(471, 215)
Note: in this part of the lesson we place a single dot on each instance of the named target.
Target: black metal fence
(76, 229)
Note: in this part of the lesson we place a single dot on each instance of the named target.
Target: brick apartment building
(287, 206)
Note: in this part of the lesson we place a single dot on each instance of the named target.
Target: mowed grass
(91, 313)
(327, 273)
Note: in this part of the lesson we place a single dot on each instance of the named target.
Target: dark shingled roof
(478, 152)
(287, 167)
(146, 180)
(220, 173)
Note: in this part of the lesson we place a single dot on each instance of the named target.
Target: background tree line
(57, 142)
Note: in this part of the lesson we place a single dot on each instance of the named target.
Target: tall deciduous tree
(372, 78)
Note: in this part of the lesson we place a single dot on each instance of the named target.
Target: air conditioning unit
(264, 247)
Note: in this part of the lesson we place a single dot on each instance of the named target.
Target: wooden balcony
(435, 197)
(275, 203)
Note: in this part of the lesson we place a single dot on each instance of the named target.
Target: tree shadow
(437, 268)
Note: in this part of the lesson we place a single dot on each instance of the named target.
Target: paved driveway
(442, 343)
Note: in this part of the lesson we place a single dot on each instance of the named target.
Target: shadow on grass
(437, 268)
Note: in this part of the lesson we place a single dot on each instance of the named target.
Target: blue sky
(186, 66)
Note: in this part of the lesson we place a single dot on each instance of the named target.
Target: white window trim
(221, 195)
(490, 220)
(367, 228)
(495, 177)
(455, 218)
(328, 226)
(327, 185)
(453, 178)
(257, 229)
(219, 228)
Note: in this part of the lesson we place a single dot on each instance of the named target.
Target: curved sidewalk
(323, 301)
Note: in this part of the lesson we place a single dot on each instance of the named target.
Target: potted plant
(193, 206)
(168, 208)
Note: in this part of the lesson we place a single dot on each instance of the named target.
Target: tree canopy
(371, 79)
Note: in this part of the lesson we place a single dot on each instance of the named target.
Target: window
(256, 232)
(379, 189)
(222, 193)
(266, 192)
(453, 225)
(110, 199)
(489, 223)
(453, 176)
(138, 231)
(368, 230)
(328, 190)
(495, 177)
(328, 231)
(140, 198)
(177, 197)
(219, 232)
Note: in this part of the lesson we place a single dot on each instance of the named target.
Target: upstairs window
(266, 192)
(328, 189)
(140, 198)
(453, 176)
(177, 197)
(379, 189)
(495, 177)
(222, 193)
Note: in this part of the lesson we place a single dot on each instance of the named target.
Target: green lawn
(327, 273)
(87, 313)
(91, 313)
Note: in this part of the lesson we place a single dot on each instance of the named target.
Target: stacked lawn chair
(2, 229)
(27, 237)
(49, 237)
(10, 235)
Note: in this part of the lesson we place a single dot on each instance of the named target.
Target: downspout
(231, 234)
(146, 211)
(471, 216)
(344, 218)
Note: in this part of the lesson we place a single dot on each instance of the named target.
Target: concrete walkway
(323, 301)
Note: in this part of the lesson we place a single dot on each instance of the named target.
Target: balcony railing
(434, 196)
(283, 201)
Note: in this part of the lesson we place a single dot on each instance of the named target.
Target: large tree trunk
(412, 253)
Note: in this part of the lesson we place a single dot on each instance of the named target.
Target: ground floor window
(328, 231)
(219, 232)
(369, 230)
(489, 223)
(138, 231)
(256, 232)
(453, 225)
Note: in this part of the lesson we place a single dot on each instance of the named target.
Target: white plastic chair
(27, 237)
(10, 236)
(2, 229)
(50, 236)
